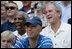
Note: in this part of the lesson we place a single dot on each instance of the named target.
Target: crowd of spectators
(36, 24)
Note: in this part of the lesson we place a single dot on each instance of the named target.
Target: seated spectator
(7, 38)
(19, 21)
(27, 7)
(58, 31)
(34, 40)
(12, 9)
(8, 26)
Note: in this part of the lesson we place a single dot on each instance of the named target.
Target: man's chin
(18, 28)
(49, 22)
(30, 37)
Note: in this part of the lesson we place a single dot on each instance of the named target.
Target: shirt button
(54, 36)
(55, 44)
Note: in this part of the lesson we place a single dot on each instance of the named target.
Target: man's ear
(59, 13)
(40, 28)
(17, 10)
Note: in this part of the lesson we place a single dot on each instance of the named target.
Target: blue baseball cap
(34, 21)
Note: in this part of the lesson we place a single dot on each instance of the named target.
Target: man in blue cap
(34, 40)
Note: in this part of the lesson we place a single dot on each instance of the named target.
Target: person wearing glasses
(11, 9)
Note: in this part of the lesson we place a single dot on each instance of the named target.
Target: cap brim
(30, 23)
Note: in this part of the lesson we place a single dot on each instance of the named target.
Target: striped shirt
(18, 36)
(43, 42)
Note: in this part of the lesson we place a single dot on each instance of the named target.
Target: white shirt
(62, 38)
(19, 36)
(66, 12)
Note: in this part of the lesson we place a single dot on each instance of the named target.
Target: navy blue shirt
(22, 9)
(43, 42)
(7, 26)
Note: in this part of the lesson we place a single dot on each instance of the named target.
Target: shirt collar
(61, 29)
(39, 40)
(16, 33)
(28, 12)
(22, 9)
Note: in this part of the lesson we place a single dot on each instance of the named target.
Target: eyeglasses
(11, 7)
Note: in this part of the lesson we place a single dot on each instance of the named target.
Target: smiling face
(11, 9)
(32, 31)
(51, 14)
(19, 22)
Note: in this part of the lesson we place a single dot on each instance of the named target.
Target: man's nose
(5, 43)
(29, 29)
(16, 20)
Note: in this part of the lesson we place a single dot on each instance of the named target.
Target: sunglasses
(11, 7)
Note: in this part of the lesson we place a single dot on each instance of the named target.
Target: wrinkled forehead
(50, 7)
(11, 4)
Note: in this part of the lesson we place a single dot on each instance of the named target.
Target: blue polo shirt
(22, 9)
(29, 12)
(8, 26)
(43, 42)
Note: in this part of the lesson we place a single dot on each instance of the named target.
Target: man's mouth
(49, 17)
(17, 24)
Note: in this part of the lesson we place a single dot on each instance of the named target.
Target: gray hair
(25, 15)
(57, 7)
